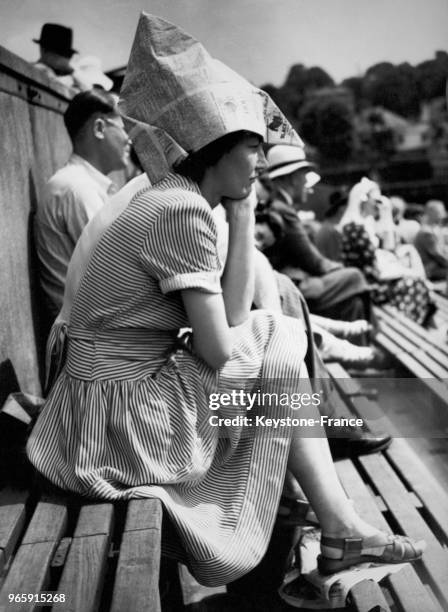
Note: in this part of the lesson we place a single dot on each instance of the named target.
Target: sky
(260, 39)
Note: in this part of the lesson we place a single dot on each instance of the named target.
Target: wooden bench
(88, 556)
(420, 351)
(106, 557)
(395, 491)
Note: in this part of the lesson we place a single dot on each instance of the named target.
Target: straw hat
(177, 98)
(88, 72)
(284, 160)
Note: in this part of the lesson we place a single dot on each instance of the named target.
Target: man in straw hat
(329, 288)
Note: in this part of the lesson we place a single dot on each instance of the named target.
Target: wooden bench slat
(412, 364)
(83, 575)
(338, 405)
(29, 573)
(143, 514)
(392, 490)
(12, 521)
(343, 381)
(94, 519)
(48, 522)
(367, 596)
(439, 388)
(86, 564)
(433, 497)
(410, 592)
(357, 490)
(372, 415)
(397, 317)
(429, 349)
(417, 332)
(417, 349)
(30, 569)
(136, 582)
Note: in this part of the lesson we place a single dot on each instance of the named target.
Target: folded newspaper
(307, 588)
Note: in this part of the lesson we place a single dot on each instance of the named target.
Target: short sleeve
(180, 248)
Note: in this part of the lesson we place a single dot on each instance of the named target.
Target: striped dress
(130, 417)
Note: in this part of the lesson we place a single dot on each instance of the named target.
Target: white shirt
(74, 195)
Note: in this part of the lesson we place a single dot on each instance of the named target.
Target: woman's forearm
(238, 277)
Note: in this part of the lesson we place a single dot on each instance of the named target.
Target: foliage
(327, 124)
(325, 118)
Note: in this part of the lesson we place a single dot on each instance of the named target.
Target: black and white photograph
(223, 305)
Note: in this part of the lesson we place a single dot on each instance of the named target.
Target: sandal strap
(397, 547)
(346, 545)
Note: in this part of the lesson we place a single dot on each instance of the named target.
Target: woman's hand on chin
(247, 202)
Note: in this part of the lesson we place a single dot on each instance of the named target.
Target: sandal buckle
(352, 545)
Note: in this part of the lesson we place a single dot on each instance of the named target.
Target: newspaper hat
(176, 99)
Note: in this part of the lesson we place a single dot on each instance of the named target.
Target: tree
(355, 85)
(432, 76)
(393, 87)
(299, 82)
(327, 124)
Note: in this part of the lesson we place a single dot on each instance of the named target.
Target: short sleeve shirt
(74, 195)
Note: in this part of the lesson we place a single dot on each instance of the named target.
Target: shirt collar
(103, 181)
(285, 195)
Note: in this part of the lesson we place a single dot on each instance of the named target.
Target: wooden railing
(33, 143)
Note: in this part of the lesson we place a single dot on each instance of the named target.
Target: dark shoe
(351, 551)
(361, 443)
(296, 512)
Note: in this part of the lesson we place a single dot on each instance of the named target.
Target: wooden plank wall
(33, 144)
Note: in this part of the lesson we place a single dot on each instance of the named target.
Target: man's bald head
(435, 212)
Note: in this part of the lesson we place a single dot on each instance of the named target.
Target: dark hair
(86, 104)
(273, 220)
(195, 165)
(336, 201)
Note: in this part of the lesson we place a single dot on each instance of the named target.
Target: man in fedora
(56, 51)
(329, 289)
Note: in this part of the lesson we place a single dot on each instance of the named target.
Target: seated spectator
(328, 238)
(129, 415)
(56, 51)
(88, 73)
(329, 289)
(79, 189)
(368, 242)
(431, 242)
(406, 229)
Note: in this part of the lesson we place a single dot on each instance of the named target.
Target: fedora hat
(284, 159)
(177, 99)
(56, 38)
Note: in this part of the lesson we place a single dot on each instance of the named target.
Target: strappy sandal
(297, 512)
(398, 549)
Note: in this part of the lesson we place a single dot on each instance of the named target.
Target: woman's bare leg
(311, 463)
